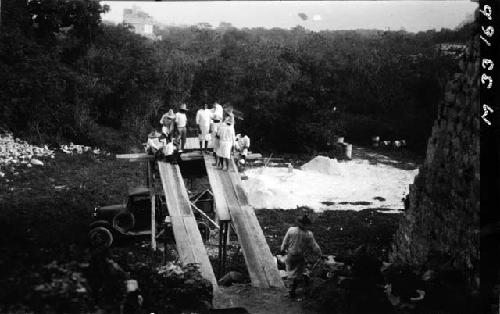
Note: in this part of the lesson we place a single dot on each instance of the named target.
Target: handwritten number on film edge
(487, 64)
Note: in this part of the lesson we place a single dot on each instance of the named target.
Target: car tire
(204, 230)
(124, 222)
(100, 237)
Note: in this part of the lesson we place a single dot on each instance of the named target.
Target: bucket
(132, 285)
(348, 151)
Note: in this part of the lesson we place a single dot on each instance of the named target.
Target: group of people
(215, 125)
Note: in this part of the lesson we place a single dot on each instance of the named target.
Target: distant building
(451, 49)
(141, 22)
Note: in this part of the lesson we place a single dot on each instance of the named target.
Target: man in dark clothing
(297, 244)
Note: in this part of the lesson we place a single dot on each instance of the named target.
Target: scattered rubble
(15, 152)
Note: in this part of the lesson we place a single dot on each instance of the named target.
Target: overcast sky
(413, 16)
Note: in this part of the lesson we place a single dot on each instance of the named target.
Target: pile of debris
(79, 149)
(15, 152)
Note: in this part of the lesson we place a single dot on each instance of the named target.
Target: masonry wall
(443, 216)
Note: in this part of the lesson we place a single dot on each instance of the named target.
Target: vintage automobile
(133, 219)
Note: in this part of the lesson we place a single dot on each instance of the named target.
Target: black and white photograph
(264, 157)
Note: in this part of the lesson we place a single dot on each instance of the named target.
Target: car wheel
(100, 237)
(204, 230)
(124, 221)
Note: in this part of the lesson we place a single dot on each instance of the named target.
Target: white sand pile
(325, 165)
(359, 181)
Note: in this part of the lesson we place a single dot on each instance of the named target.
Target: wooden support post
(151, 186)
(228, 232)
(224, 247)
(221, 235)
(148, 173)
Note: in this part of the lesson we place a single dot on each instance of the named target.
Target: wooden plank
(221, 206)
(266, 263)
(135, 157)
(258, 258)
(187, 235)
(245, 236)
(194, 155)
(188, 239)
(194, 143)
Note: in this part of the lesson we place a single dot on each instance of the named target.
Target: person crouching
(154, 143)
(170, 151)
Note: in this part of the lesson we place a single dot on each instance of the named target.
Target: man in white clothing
(216, 115)
(203, 117)
(242, 144)
(181, 123)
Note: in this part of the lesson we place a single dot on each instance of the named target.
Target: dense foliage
(65, 75)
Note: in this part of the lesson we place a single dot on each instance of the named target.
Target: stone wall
(443, 214)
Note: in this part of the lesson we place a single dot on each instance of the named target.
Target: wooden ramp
(229, 195)
(187, 236)
(194, 143)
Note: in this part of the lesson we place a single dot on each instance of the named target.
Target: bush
(172, 288)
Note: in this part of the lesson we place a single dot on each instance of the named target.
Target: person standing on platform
(167, 121)
(226, 142)
(230, 114)
(181, 123)
(203, 117)
(216, 116)
(297, 244)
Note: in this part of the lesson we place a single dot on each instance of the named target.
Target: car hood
(113, 208)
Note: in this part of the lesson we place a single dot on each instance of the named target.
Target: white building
(141, 22)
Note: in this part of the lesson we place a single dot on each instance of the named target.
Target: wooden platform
(194, 143)
(228, 193)
(187, 236)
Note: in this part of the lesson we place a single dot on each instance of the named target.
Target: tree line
(67, 76)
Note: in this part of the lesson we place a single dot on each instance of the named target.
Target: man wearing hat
(203, 121)
(181, 123)
(167, 122)
(297, 244)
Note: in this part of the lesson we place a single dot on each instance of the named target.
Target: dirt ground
(45, 211)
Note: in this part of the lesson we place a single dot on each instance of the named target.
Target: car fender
(100, 223)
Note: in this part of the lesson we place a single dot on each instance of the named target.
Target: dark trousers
(183, 136)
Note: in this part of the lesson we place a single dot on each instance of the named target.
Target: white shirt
(180, 120)
(217, 112)
(243, 142)
(154, 143)
(168, 149)
(226, 133)
(203, 117)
